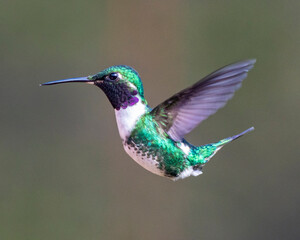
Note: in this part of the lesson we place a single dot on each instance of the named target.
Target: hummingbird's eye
(113, 76)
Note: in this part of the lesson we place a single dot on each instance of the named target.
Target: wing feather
(182, 112)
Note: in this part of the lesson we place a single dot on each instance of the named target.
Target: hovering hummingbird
(154, 138)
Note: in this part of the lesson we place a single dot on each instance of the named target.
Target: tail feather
(229, 139)
(203, 154)
(242, 133)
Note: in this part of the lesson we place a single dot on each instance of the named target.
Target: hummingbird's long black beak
(70, 80)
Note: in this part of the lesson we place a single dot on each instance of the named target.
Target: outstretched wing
(182, 112)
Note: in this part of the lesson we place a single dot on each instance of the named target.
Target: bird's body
(147, 144)
(154, 137)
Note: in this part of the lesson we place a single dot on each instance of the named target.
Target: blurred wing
(181, 113)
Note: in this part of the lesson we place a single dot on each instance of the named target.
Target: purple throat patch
(130, 102)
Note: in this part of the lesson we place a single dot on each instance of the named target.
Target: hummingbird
(154, 138)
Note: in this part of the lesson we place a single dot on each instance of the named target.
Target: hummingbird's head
(121, 84)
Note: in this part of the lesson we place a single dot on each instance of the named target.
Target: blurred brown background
(63, 171)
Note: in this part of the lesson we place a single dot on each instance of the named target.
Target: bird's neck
(127, 118)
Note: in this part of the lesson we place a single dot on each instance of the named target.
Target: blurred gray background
(63, 171)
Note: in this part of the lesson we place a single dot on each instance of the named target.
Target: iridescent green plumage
(154, 138)
(150, 141)
(147, 138)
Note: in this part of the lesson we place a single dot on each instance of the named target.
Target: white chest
(127, 118)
